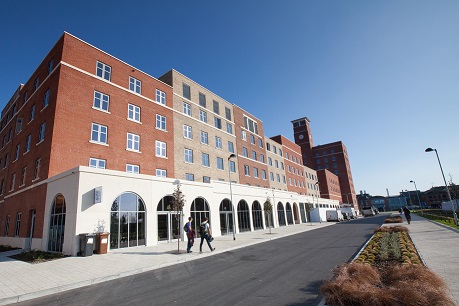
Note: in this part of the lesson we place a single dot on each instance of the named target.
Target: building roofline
(303, 118)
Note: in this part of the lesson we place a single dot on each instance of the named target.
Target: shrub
(35, 256)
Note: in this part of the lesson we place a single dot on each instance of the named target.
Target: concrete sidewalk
(438, 246)
(20, 281)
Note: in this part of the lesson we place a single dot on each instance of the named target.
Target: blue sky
(382, 76)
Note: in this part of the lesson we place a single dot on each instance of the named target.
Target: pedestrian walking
(206, 234)
(190, 234)
(407, 213)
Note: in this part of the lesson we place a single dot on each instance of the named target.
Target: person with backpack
(189, 234)
(407, 213)
(206, 234)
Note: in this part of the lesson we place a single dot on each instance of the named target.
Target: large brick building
(91, 144)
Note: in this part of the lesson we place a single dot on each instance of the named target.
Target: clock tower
(303, 138)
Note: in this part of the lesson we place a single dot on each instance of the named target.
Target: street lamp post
(231, 195)
(317, 193)
(446, 185)
(417, 194)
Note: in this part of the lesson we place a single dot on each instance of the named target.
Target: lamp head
(429, 150)
(411, 181)
(231, 156)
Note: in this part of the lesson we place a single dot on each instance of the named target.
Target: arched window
(199, 210)
(243, 216)
(57, 224)
(226, 217)
(280, 214)
(127, 221)
(289, 213)
(168, 221)
(257, 215)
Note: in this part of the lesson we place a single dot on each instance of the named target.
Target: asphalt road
(287, 271)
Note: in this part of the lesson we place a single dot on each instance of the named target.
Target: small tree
(268, 207)
(178, 202)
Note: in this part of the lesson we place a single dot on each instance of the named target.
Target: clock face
(301, 136)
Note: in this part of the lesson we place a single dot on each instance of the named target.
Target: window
(205, 160)
(228, 113)
(188, 156)
(216, 107)
(220, 163)
(19, 124)
(186, 109)
(262, 157)
(290, 181)
(218, 123)
(203, 116)
(333, 158)
(230, 147)
(132, 168)
(7, 224)
(25, 99)
(36, 171)
(268, 147)
(271, 176)
(204, 137)
(133, 142)
(13, 181)
(260, 143)
(288, 168)
(282, 165)
(250, 125)
(244, 135)
(229, 128)
(135, 85)
(99, 133)
(255, 172)
(274, 150)
(101, 101)
(232, 166)
(2, 187)
(36, 84)
(133, 112)
(160, 97)
(41, 133)
(50, 66)
(280, 152)
(23, 176)
(4, 141)
(254, 155)
(6, 160)
(103, 71)
(16, 154)
(245, 152)
(206, 179)
(97, 163)
(246, 170)
(202, 99)
(189, 177)
(10, 135)
(263, 174)
(160, 122)
(18, 224)
(278, 177)
(161, 173)
(46, 99)
(32, 113)
(28, 140)
(186, 91)
(187, 132)
(218, 142)
(252, 139)
(270, 161)
(160, 148)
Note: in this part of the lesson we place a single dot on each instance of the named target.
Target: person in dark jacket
(407, 213)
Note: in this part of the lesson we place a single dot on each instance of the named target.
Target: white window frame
(161, 173)
(246, 170)
(218, 142)
(220, 164)
(244, 135)
(135, 85)
(133, 112)
(46, 98)
(133, 142)
(160, 97)
(229, 128)
(204, 138)
(205, 160)
(102, 132)
(187, 131)
(187, 108)
(188, 156)
(161, 122)
(202, 116)
(230, 146)
(97, 163)
(130, 168)
(161, 149)
(103, 70)
(101, 99)
(41, 133)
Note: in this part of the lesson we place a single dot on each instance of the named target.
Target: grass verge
(35, 256)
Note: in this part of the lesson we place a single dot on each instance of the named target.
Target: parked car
(368, 211)
(334, 215)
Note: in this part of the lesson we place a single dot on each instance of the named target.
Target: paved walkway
(20, 281)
